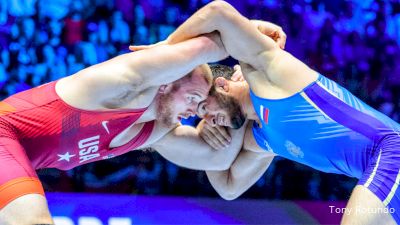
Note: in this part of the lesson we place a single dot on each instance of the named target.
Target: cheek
(213, 106)
(178, 104)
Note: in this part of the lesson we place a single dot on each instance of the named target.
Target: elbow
(221, 9)
(229, 194)
(230, 189)
(229, 197)
(218, 6)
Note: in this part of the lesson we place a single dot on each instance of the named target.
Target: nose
(190, 112)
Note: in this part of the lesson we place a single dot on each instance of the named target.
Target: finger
(237, 75)
(142, 47)
(206, 132)
(273, 31)
(281, 39)
(218, 137)
(225, 134)
(207, 137)
(138, 47)
(212, 134)
(274, 35)
(132, 48)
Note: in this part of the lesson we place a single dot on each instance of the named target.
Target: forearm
(184, 147)
(240, 37)
(244, 172)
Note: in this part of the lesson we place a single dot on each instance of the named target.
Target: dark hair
(227, 102)
(219, 70)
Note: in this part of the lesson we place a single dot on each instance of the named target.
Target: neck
(151, 112)
(247, 104)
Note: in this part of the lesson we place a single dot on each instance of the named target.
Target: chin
(166, 120)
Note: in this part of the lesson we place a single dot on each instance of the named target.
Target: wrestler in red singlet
(39, 130)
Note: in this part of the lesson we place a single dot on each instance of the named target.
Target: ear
(221, 82)
(165, 88)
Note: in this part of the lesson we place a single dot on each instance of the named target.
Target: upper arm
(164, 64)
(129, 75)
(248, 167)
(140, 70)
(184, 147)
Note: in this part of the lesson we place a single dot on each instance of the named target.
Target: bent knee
(364, 207)
(26, 210)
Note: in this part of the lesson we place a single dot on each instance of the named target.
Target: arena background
(355, 43)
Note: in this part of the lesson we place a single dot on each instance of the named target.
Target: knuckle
(218, 5)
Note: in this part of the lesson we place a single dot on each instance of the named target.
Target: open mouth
(214, 122)
(220, 120)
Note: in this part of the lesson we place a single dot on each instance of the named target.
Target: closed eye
(202, 108)
(190, 99)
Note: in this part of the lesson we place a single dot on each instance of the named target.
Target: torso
(323, 126)
(250, 143)
(68, 90)
(58, 134)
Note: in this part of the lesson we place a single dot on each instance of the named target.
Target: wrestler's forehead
(197, 83)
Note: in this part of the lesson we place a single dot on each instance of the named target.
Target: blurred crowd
(355, 43)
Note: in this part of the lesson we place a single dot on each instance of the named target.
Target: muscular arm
(241, 38)
(130, 74)
(263, 62)
(167, 63)
(248, 167)
(184, 147)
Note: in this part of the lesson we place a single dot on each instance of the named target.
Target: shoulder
(162, 135)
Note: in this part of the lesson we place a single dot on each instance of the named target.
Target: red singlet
(39, 130)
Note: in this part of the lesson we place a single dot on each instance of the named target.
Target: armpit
(120, 100)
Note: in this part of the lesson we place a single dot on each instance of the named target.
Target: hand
(217, 50)
(271, 30)
(217, 137)
(237, 75)
(142, 47)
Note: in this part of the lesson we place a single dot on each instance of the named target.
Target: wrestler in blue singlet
(327, 128)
